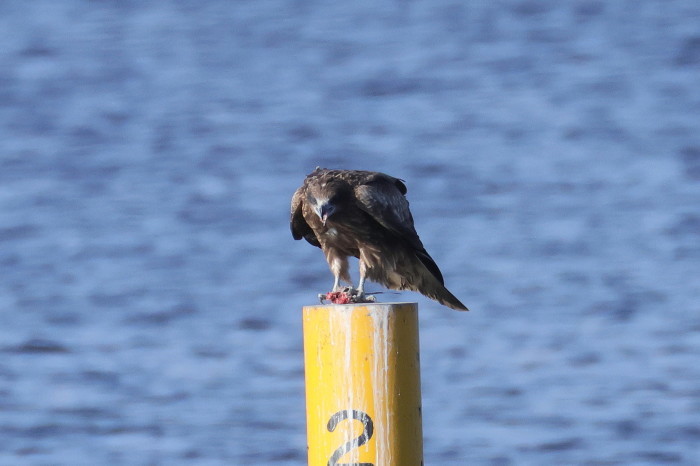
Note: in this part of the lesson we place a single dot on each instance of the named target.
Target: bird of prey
(365, 214)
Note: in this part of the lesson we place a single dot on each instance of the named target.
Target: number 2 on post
(368, 430)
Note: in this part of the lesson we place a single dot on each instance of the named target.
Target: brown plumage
(365, 214)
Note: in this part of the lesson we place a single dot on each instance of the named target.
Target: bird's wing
(382, 197)
(297, 223)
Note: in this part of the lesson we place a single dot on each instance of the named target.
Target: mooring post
(363, 399)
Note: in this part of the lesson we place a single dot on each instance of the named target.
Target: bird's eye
(311, 199)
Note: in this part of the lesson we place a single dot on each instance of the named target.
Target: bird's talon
(347, 295)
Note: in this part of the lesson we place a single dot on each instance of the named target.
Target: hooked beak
(325, 211)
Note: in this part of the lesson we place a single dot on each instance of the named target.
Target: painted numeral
(354, 443)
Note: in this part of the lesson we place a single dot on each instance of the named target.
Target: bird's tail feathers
(430, 264)
(428, 284)
(442, 295)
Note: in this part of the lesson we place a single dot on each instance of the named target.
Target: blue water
(150, 291)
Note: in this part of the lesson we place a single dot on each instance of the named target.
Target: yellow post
(363, 403)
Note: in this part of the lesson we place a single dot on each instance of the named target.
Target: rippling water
(150, 291)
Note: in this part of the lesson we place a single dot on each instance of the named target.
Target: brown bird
(365, 214)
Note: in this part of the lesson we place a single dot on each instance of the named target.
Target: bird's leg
(339, 266)
(359, 294)
(361, 284)
(363, 274)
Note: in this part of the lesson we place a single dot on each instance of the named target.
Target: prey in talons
(347, 295)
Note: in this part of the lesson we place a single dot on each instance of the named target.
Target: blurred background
(150, 290)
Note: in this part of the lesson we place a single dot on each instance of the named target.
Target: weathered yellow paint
(363, 358)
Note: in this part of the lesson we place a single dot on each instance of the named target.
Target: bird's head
(326, 198)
